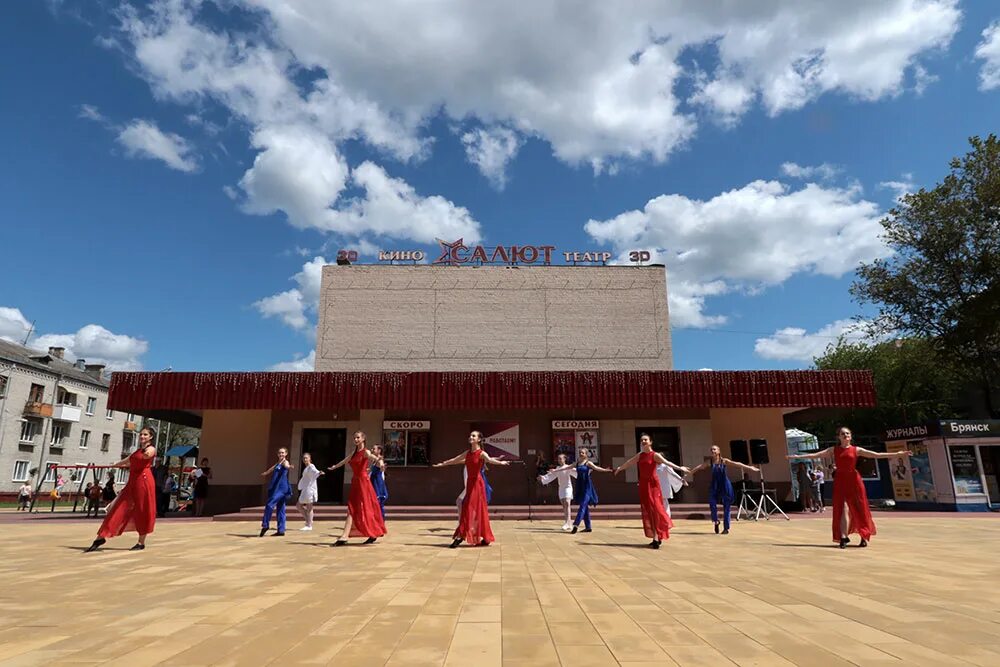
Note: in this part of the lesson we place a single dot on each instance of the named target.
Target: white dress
(565, 478)
(308, 489)
(670, 483)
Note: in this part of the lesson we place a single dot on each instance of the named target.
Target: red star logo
(587, 438)
(449, 252)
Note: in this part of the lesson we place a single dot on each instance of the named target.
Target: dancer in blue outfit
(377, 475)
(278, 493)
(585, 492)
(721, 488)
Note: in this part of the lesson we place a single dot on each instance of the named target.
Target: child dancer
(278, 493)
(565, 474)
(586, 494)
(721, 488)
(850, 501)
(377, 476)
(308, 490)
(364, 516)
(670, 483)
(655, 521)
(474, 522)
(135, 507)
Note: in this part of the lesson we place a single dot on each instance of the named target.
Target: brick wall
(436, 318)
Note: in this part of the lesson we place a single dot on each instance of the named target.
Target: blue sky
(169, 171)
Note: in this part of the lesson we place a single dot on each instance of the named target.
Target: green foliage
(942, 284)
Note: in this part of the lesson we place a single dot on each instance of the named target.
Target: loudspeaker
(758, 451)
(738, 451)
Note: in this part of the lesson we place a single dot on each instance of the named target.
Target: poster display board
(569, 436)
(406, 442)
(900, 472)
(965, 469)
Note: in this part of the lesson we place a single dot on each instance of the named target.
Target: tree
(942, 284)
(912, 384)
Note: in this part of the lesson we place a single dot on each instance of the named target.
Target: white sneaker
(567, 527)
(306, 528)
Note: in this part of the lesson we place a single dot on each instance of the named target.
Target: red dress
(135, 507)
(362, 504)
(655, 521)
(474, 524)
(848, 488)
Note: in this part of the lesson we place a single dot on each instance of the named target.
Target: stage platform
(497, 513)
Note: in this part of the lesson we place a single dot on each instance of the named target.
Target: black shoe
(843, 542)
(725, 531)
(138, 547)
(575, 528)
(716, 527)
(370, 540)
(340, 543)
(864, 543)
(484, 543)
(655, 544)
(455, 543)
(263, 532)
(95, 546)
(588, 530)
(278, 535)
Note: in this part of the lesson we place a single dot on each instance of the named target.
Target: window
(91, 405)
(66, 397)
(128, 441)
(84, 439)
(58, 434)
(49, 477)
(130, 418)
(29, 428)
(121, 475)
(105, 442)
(110, 414)
(20, 471)
(3, 386)
(36, 394)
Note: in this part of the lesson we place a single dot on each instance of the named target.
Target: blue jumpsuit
(377, 477)
(585, 494)
(721, 490)
(278, 493)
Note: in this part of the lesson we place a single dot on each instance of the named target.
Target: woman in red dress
(474, 522)
(364, 514)
(656, 522)
(135, 507)
(851, 513)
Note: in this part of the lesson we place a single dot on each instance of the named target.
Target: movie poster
(899, 471)
(501, 439)
(394, 448)
(418, 448)
(564, 442)
(589, 440)
(920, 471)
(965, 469)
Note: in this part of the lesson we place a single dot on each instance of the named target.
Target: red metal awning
(139, 392)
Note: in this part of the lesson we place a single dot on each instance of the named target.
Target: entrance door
(327, 446)
(666, 441)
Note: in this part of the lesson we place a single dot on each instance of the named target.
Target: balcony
(36, 409)
(129, 426)
(67, 413)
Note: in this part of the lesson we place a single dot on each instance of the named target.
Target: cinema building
(541, 358)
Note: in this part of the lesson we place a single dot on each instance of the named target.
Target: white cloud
(93, 342)
(142, 138)
(90, 112)
(491, 150)
(988, 50)
(597, 81)
(823, 172)
(748, 238)
(904, 186)
(306, 363)
(795, 344)
(294, 307)
(14, 326)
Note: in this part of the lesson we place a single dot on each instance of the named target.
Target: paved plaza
(927, 592)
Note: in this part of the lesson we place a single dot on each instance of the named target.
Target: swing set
(52, 470)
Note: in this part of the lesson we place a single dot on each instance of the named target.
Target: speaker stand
(748, 505)
(767, 506)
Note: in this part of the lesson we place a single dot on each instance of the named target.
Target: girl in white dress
(670, 483)
(565, 474)
(308, 490)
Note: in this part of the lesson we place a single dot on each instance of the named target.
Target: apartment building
(55, 411)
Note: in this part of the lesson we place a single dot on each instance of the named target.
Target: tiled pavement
(926, 592)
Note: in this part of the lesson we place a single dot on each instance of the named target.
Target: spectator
(202, 475)
(108, 493)
(818, 476)
(805, 487)
(23, 497)
(160, 474)
(94, 493)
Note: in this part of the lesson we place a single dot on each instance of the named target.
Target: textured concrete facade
(528, 318)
